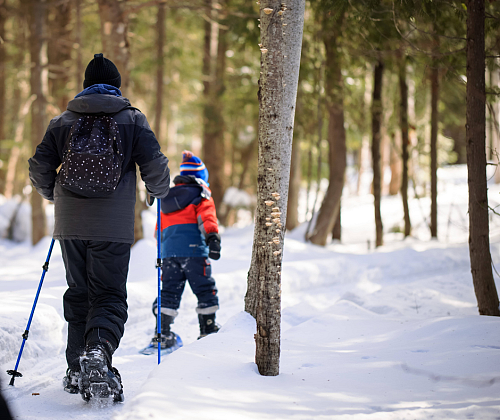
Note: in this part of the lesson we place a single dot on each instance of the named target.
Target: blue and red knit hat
(192, 165)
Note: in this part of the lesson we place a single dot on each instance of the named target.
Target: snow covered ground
(392, 333)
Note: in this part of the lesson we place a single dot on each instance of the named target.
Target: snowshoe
(97, 379)
(168, 345)
(70, 381)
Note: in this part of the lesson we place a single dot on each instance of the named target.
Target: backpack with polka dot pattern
(93, 156)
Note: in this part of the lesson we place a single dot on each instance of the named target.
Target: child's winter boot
(207, 325)
(168, 338)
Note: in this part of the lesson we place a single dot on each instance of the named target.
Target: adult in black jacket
(96, 233)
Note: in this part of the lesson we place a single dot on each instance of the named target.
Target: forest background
(193, 68)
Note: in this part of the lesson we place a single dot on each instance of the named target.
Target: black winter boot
(207, 325)
(98, 379)
(167, 337)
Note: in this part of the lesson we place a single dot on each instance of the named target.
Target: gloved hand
(149, 200)
(213, 242)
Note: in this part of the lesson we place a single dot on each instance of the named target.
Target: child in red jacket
(189, 237)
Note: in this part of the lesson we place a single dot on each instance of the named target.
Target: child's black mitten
(213, 242)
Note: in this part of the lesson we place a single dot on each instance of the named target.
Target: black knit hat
(100, 70)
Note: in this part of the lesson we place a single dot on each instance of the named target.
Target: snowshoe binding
(98, 380)
(169, 343)
(70, 381)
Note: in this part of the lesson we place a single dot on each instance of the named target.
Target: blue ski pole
(45, 267)
(158, 266)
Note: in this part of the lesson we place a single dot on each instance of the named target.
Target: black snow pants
(96, 299)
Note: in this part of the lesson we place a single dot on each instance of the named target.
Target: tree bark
(376, 141)
(78, 40)
(434, 137)
(59, 54)
(114, 36)
(15, 152)
(160, 68)
(214, 63)
(403, 118)
(479, 243)
(292, 217)
(38, 57)
(3, 59)
(280, 61)
(334, 95)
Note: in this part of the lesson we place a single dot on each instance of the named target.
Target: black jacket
(109, 218)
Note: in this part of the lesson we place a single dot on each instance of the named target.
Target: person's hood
(98, 103)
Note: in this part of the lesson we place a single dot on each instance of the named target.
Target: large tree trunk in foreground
(334, 93)
(376, 142)
(280, 61)
(479, 243)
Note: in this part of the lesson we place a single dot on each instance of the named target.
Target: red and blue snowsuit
(187, 217)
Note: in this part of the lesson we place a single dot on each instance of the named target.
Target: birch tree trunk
(38, 83)
(280, 59)
(376, 142)
(479, 243)
(334, 94)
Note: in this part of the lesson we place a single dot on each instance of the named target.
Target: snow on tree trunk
(479, 243)
(281, 41)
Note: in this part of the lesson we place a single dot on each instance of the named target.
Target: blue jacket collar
(101, 88)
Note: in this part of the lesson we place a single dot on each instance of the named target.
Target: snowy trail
(385, 334)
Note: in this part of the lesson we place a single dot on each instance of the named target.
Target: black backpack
(93, 156)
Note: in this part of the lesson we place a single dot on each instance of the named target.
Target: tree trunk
(160, 68)
(434, 136)
(334, 94)
(78, 40)
(38, 57)
(279, 63)
(114, 36)
(214, 59)
(115, 45)
(59, 53)
(10, 176)
(403, 118)
(292, 218)
(3, 59)
(376, 141)
(479, 243)
(337, 227)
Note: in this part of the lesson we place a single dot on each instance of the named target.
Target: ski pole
(158, 266)
(45, 267)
